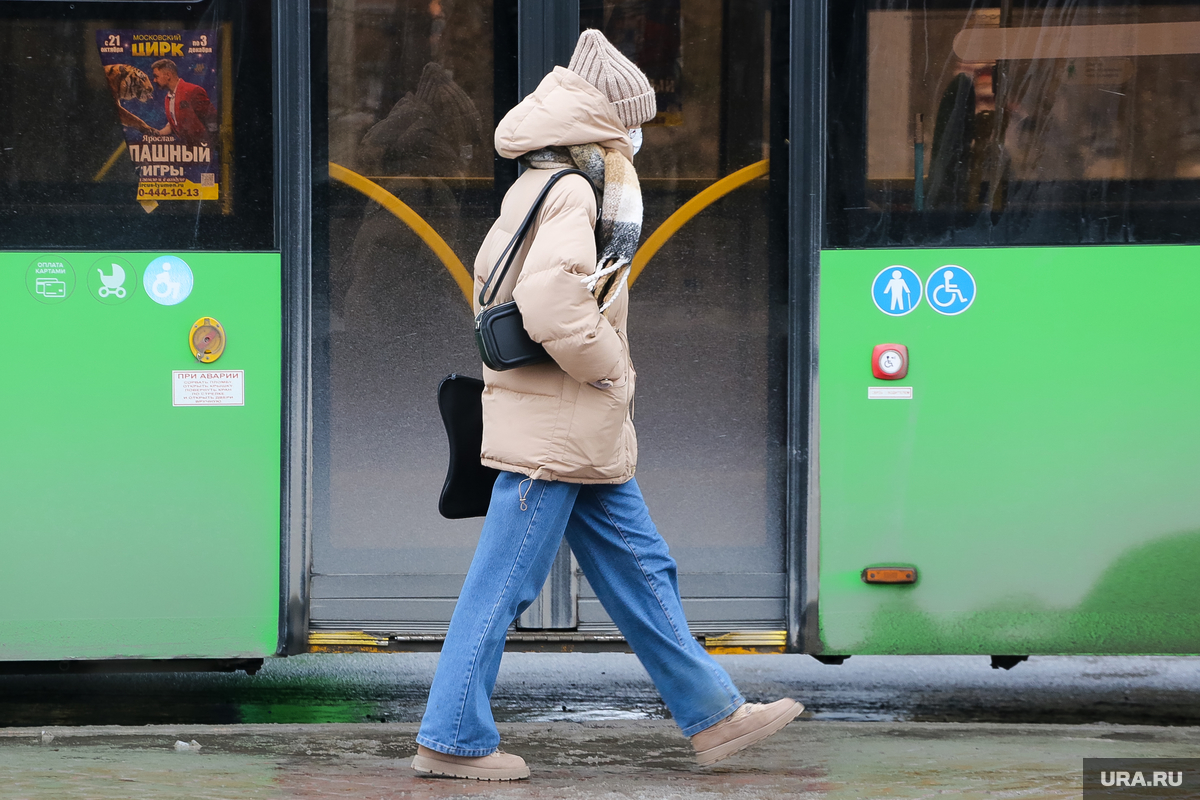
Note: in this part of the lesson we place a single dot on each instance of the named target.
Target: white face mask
(635, 138)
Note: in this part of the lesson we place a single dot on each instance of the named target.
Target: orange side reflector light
(889, 575)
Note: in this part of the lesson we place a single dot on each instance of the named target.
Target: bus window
(88, 157)
(970, 124)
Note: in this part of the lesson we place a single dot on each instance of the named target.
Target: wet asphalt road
(584, 687)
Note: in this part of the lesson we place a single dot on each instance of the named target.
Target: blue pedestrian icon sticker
(950, 289)
(168, 280)
(896, 291)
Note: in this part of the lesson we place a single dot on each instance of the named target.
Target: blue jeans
(626, 562)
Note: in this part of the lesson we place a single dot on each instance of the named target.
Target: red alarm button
(889, 362)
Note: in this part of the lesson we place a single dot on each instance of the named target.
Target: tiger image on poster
(127, 82)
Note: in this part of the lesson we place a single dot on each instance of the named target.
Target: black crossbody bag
(500, 330)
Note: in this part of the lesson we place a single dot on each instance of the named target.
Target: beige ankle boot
(752, 722)
(495, 767)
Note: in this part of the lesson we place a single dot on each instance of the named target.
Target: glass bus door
(415, 89)
(140, 285)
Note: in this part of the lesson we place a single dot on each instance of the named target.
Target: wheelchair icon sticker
(168, 280)
(950, 290)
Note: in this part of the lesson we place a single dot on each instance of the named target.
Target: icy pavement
(618, 759)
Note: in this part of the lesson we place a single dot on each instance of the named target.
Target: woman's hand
(608, 383)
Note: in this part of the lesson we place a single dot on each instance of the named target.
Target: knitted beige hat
(618, 78)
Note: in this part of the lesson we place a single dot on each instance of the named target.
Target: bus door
(414, 91)
(1008, 441)
(140, 288)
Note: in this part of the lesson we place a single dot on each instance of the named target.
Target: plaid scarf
(620, 225)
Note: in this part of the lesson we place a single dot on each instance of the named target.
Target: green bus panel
(1044, 478)
(133, 527)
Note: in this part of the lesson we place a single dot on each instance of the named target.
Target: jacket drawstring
(523, 492)
(590, 281)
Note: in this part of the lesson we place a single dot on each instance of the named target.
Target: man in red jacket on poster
(191, 116)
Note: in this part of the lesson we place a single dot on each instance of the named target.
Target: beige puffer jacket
(560, 420)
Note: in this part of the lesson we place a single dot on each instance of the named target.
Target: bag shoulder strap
(510, 252)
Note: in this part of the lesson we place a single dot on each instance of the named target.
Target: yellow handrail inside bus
(111, 160)
(652, 245)
(410, 218)
(690, 209)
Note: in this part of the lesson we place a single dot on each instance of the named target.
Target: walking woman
(561, 432)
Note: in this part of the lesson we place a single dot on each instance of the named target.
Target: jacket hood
(563, 110)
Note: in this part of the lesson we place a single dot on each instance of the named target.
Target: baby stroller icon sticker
(113, 284)
(112, 279)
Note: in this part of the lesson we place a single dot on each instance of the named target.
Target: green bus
(894, 398)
